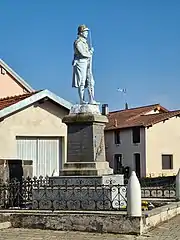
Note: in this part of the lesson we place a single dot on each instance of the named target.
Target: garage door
(44, 152)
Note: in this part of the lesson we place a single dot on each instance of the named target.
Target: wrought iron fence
(18, 194)
(160, 187)
(43, 194)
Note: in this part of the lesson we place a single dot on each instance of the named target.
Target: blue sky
(137, 46)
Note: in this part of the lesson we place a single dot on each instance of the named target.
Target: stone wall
(90, 221)
(70, 221)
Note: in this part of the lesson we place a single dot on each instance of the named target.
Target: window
(117, 138)
(117, 163)
(167, 161)
(137, 163)
(136, 134)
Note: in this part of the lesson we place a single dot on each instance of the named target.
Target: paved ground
(167, 231)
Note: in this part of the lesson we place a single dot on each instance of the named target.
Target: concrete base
(98, 222)
(90, 221)
(115, 179)
(76, 180)
(86, 169)
(85, 108)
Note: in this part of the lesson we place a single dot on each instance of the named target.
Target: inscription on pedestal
(80, 145)
(86, 142)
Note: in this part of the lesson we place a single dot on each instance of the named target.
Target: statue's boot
(91, 95)
(93, 102)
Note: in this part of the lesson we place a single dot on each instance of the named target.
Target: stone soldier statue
(82, 66)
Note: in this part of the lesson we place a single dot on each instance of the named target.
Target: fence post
(178, 186)
(134, 196)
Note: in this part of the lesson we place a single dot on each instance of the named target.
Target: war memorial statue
(85, 123)
(82, 65)
(86, 163)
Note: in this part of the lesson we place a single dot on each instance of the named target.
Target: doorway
(15, 170)
(15, 191)
(118, 169)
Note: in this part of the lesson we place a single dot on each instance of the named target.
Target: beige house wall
(127, 148)
(37, 120)
(8, 85)
(163, 138)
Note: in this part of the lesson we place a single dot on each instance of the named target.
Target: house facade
(32, 131)
(31, 127)
(11, 83)
(145, 139)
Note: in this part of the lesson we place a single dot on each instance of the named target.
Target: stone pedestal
(86, 182)
(86, 147)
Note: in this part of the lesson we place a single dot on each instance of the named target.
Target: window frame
(134, 135)
(116, 164)
(135, 165)
(170, 163)
(117, 140)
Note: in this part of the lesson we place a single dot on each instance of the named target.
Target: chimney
(126, 106)
(105, 110)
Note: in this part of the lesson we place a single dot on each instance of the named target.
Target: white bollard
(134, 196)
(178, 186)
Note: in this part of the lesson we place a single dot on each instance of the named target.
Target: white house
(146, 139)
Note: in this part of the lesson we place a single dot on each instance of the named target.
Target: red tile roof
(138, 117)
(8, 101)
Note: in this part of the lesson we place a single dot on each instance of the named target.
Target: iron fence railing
(157, 181)
(160, 187)
(43, 194)
(19, 194)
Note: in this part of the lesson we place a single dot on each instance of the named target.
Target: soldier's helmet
(82, 28)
